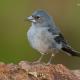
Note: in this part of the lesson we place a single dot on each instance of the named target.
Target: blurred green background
(14, 45)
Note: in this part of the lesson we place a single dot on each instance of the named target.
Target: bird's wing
(60, 39)
(57, 36)
(65, 47)
(61, 43)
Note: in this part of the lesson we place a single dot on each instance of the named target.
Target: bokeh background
(14, 45)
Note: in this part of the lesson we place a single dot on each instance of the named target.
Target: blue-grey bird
(46, 37)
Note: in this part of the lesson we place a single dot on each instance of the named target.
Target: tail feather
(72, 52)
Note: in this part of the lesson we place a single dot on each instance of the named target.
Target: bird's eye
(37, 17)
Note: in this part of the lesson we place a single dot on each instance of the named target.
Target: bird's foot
(36, 62)
(48, 63)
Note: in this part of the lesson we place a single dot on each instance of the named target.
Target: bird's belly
(39, 45)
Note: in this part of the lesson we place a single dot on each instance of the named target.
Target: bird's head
(40, 17)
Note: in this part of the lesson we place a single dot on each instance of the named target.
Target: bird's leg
(39, 60)
(52, 55)
(40, 57)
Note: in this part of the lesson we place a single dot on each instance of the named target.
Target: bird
(45, 37)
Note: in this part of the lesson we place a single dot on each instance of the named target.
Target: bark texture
(28, 71)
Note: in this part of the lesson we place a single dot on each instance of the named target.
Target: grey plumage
(45, 37)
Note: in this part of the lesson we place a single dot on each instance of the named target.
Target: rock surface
(36, 71)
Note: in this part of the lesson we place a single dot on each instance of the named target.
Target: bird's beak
(30, 18)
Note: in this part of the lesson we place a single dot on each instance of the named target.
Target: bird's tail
(71, 51)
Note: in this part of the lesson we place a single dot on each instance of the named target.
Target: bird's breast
(38, 39)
